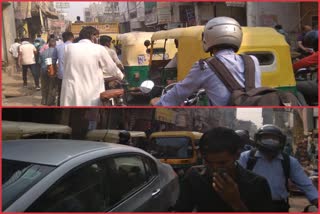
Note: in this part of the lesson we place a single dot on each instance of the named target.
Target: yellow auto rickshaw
(12, 130)
(112, 136)
(135, 56)
(180, 149)
(265, 43)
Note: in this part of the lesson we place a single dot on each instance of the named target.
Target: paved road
(298, 203)
(14, 94)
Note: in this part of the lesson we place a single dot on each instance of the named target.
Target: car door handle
(156, 192)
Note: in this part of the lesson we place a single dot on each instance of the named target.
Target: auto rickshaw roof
(252, 36)
(27, 129)
(110, 135)
(133, 38)
(176, 134)
(175, 33)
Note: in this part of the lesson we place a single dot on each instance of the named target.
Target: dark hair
(278, 27)
(16, 40)
(104, 40)
(38, 35)
(220, 139)
(87, 32)
(76, 40)
(67, 36)
(25, 39)
(52, 42)
(78, 17)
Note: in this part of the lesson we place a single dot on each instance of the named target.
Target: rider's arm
(183, 89)
(301, 180)
(306, 61)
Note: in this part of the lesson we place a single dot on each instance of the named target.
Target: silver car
(83, 176)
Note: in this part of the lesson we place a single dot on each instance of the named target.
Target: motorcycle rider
(309, 88)
(222, 37)
(270, 162)
(124, 137)
(247, 143)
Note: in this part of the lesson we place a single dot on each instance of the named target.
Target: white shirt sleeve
(109, 68)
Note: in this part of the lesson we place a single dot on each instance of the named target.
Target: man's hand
(154, 101)
(228, 190)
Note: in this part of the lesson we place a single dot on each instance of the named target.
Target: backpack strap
(252, 160)
(286, 167)
(249, 72)
(224, 74)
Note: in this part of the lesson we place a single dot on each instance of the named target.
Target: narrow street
(13, 94)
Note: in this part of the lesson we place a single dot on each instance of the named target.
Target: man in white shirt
(84, 63)
(27, 52)
(105, 41)
(14, 50)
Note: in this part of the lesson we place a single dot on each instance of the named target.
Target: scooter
(115, 93)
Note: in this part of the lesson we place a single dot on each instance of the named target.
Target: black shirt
(197, 193)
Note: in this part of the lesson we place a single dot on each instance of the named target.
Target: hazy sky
(76, 9)
(253, 114)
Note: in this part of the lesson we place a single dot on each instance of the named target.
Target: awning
(5, 4)
(235, 4)
(44, 9)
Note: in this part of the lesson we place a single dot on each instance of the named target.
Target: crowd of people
(81, 64)
(78, 66)
(242, 174)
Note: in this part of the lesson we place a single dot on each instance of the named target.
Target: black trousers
(280, 206)
(59, 84)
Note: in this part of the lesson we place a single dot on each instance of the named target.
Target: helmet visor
(270, 142)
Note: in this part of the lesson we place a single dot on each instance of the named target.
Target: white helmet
(222, 31)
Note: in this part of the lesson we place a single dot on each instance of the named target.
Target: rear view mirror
(146, 86)
(147, 43)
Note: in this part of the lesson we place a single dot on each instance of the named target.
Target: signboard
(165, 115)
(235, 4)
(164, 12)
(150, 13)
(268, 20)
(103, 28)
(62, 5)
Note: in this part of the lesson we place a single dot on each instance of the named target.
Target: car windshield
(18, 177)
(171, 147)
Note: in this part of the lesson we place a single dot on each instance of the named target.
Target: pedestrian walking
(84, 63)
(14, 51)
(59, 58)
(48, 81)
(27, 53)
